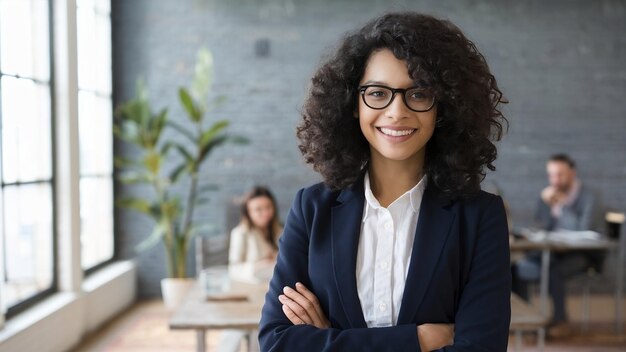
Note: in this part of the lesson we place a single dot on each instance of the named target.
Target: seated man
(565, 204)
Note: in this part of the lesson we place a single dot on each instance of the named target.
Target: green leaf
(156, 125)
(166, 148)
(177, 172)
(127, 130)
(135, 122)
(154, 238)
(206, 151)
(203, 77)
(189, 159)
(152, 162)
(184, 152)
(208, 135)
(217, 141)
(132, 177)
(187, 101)
(137, 204)
(170, 209)
(185, 132)
(136, 109)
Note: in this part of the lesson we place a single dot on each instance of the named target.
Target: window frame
(115, 255)
(22, 305)
(68, 274)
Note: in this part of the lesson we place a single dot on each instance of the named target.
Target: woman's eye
(418, 95)
(377, 94)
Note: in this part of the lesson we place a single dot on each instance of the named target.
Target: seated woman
(398, 249)
(253, 249)
(254, 241)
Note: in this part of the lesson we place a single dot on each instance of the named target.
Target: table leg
(544, 281)
(253, 341)
(541, 339)
(619, 287)
(200, 340)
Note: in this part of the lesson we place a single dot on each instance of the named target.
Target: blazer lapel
(346, 229)
(433, 228)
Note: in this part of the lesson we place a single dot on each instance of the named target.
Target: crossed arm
(301, 306)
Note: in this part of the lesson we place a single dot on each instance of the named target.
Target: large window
(26, 193)
(95, 130)
(29, 172)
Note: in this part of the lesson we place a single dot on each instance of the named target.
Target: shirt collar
(572, 195)
(415, 195)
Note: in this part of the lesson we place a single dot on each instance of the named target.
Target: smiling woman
(394, 130)
(398, 249)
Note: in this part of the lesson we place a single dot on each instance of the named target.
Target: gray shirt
(582, 214)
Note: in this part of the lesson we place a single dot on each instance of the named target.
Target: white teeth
(395, 133)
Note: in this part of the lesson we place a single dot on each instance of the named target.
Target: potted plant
(176, 191)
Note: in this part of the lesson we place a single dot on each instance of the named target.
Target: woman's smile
(396, 134)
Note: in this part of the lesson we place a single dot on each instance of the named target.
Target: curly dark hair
(439, 56)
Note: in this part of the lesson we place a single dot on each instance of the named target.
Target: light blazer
(459, 273)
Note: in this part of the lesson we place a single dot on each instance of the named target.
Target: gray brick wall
(561, 64)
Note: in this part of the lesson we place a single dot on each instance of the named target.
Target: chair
(213, 250)
(593, 276)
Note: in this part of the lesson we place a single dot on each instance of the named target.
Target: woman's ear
(356, 114)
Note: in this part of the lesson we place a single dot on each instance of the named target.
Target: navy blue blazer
(459, 273)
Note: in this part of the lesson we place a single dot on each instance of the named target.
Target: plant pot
(174, 291)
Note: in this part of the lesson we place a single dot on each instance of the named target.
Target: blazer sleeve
(484, 313)
(277, 333)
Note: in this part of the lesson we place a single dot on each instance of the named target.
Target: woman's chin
(396, 155)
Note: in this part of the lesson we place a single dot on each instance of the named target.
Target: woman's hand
(302, 307)
(435, 336)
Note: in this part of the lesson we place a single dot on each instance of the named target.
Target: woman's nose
(397, 109)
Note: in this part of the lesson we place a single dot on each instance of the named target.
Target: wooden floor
(144, 328)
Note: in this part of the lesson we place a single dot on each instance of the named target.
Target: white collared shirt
(384, 253)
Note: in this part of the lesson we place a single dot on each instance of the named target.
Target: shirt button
(387, 226)
(382, 307)
(383, 265)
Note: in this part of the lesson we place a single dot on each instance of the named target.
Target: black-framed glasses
(379, 97)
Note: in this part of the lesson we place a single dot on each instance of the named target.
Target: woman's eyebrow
(375, 82)
(382, 83)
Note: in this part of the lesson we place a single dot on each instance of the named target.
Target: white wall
(60, 322)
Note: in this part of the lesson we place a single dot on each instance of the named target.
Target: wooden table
(198, 313)
(548, 245)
